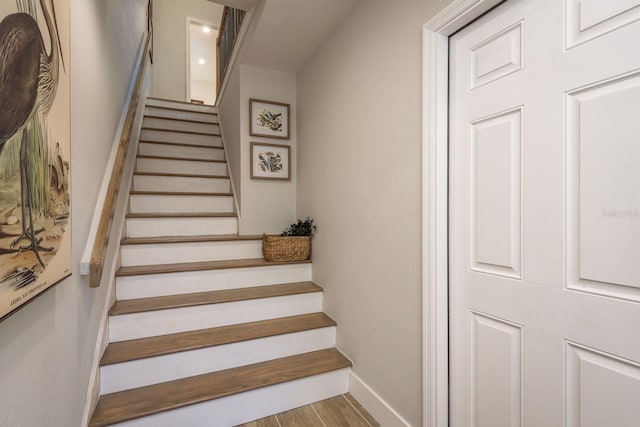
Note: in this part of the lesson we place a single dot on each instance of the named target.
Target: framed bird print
(35, 215)
(268, 119)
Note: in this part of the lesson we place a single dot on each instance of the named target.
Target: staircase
(204, 332)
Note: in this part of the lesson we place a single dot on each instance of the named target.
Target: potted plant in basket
(294, 244)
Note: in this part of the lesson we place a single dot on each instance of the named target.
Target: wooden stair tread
(130, 404)
(125, 351)
(141, 305)
(176, 119)
(189, 132)
(178, 144)
(182, 175)
(189, 239)
(183, 215)
(144, 156)
(199, 266)
(178, 193)
(178, 102)
(163, 107)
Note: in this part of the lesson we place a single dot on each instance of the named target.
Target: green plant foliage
(304, 227)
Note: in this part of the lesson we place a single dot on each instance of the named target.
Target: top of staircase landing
(179, 103)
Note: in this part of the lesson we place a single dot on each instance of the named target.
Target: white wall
(47, 347)
(170, 43)
(267, 206)
(229, 116)
(203, 91)
(359, 169)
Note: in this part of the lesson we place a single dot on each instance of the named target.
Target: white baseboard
(378, 408)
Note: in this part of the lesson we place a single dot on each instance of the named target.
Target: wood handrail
(96, 263)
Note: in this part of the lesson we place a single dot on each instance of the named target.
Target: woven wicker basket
(285, 248)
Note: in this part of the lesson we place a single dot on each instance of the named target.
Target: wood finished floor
(338, 411)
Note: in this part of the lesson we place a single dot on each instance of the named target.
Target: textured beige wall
(46, 348)
(170, 43)
(359, 172)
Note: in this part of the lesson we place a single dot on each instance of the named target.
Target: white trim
(118, 223)
(373, 403)
(233, 187)
(435, 171)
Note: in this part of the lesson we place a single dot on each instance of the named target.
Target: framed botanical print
(270, 161)
(268, 119)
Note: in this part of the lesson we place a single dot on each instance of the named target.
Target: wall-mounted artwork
(35, 227)
(270, 161)
(268, 119)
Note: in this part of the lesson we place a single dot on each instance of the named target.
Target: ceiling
(288, 32)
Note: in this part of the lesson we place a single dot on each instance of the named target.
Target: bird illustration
(28, 84)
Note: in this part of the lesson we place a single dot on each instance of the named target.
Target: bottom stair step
(239, 382)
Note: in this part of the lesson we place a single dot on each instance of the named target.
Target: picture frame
(35, 228)
(269, 119)
(270, 161)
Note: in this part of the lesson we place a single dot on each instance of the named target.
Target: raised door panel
(602, 389)
(496, 372)
(588, 19)
(495, 194)
(496, 57)
(603, 193)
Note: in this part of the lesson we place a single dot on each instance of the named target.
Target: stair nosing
(168, 302)
(247, 378)
(188, 239)
(178, 144)
(200, 266)
(178, 193)
(181, 109)
(229, 335)
(181, 175)
(144, 156)
(143, 215)
(152, 116)
(180, 102)
(188, 132)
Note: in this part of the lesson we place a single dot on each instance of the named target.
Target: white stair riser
(155, 285)
(162, 322)
(179, 183)
(244, 407)
(159, 227)
(142, 203)
(180, 114)
(154, 370)
(168, 253)
(180, 138)
(152, 122)
(149, 149)
(181, 167)
(181, 105)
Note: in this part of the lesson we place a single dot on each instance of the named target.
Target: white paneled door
(545, 216)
